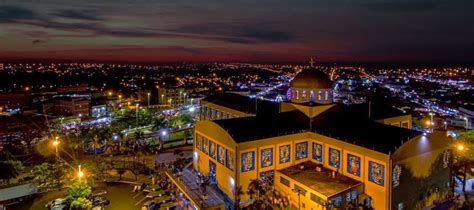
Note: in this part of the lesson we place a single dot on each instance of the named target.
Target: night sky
(239, 30)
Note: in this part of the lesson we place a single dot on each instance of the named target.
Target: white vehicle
(57, 204)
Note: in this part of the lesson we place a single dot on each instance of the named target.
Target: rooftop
(242, 103)
(319, 181)
(341, 122)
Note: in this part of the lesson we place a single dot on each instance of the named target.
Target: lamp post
(431, 121)
(148, 94)
(460, 149)
(136, 116)
(467, 122)
(80, 174)
(56, 144)
(162, 100)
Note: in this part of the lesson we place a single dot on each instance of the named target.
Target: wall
(416, 185)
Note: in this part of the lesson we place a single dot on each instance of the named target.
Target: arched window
(303, 95)
(319, 95)
(297, 95)
(326, 97)
(311, 96)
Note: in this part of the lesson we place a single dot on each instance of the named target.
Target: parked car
(99, 201)
(57, 204)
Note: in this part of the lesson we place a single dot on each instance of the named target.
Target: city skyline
(427, 31)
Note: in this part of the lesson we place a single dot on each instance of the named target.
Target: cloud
(15, 13)
(403, 6)
(90, 15)
(253, 32)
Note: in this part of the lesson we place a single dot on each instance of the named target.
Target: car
(99, 193)
(57, 204)
(99, 201)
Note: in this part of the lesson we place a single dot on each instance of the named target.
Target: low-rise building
(71, 106)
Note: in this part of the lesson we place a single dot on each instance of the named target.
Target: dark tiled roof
(343, 123)
(242, 103)
(340, 122)
(260, 127)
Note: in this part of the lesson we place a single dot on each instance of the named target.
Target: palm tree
(237, 193)
(255, 190)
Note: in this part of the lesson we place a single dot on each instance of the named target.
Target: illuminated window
(303, 95)
(311, 96)
(319, 95)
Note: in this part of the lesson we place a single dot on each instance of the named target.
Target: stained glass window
(376, 173)
(267, 157)
(247, 161)
(285, 152)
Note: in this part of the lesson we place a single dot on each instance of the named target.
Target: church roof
(311, 78)
(242, 103)
(340, 122)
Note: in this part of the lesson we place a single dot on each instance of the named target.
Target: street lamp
(136, 115)
(80, 174)
(431, 120)
(56, 144)
(148, 94)
(162, 100)
(467, 122)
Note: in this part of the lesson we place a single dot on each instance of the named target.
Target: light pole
(136, 116)
(431, 121)
(467, 122)
(162, 100)
(56, 144)
(80, 174)
(148, 94)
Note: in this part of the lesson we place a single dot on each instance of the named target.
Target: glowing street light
(467, 122)
(148, 94)
(56, 144)
(460, 147)
(80, 174)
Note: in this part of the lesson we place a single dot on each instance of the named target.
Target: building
(13, 100)
(99, 110)
(172, 96)
(323, 155)
(71, 106)
(227, 105)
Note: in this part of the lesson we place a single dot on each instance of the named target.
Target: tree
(237, 193)
(43, 173)
(78, 195)
(8, 171)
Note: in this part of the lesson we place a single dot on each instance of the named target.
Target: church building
(319, 154)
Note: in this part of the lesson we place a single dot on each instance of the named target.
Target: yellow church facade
(321, 155)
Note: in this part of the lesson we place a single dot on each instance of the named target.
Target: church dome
(311, 79)
(311, 86)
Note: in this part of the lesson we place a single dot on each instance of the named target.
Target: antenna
(370, 109)
(311, 62)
